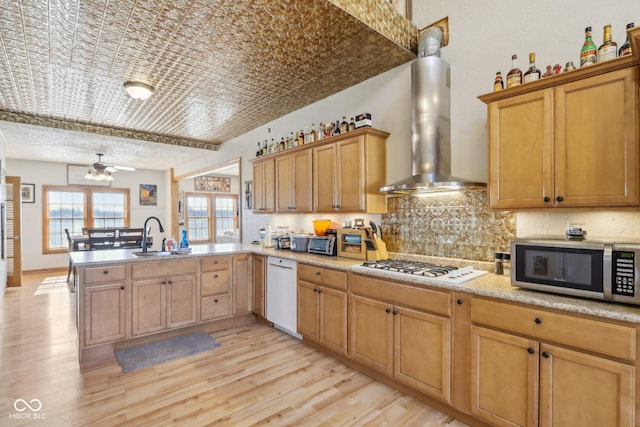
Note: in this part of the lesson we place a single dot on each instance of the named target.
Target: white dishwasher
(282, 294)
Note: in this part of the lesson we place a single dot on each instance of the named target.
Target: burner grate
(411, 267)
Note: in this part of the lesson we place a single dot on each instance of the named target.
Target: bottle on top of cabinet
(625, 49)
(498, 84)
(532, 73)
(608, 49)
(588, 53)
(514, 77)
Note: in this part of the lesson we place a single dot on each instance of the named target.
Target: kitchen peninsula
(437, 342)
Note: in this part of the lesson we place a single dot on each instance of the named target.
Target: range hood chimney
(430, 123)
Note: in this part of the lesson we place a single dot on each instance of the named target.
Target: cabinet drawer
(215, 306)
(215, 282)
(214, 263)
(164, 268)
(112, 273)
(593, 335)
(421, 298)
(323, 276)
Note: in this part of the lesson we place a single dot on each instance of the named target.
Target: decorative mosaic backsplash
(452, 225)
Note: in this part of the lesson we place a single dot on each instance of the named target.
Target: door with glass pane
(198, 218)
(225, 216)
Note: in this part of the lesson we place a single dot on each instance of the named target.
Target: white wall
(483, 36)
(49, 173)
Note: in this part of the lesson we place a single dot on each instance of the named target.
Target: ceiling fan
(102, 172)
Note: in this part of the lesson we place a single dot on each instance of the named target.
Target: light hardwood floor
(259, 376)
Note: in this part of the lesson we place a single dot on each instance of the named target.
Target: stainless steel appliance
(605, 270)
(430, 272)
(323, 245)
(299, 242)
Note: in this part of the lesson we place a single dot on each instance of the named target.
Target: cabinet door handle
(559, 198)
(121, 286)
(315, 289)
(319, 290)
(395, 312)
(538, 320)
(215, 262)
(388, 310)
(170, 282)
(459, 301)
(215, 276)
(163, 282)
(545, 355)
(531, 350)
(215, 300)
(547, 199)
(105, 272)
(317, 273)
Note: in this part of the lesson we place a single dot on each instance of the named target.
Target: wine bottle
(352, 124)
(608, 49)
(514, 77)
(532, 73)
(312, 134)
(498, 84)
(588, 53)
(625, 49)
(259, 152)
(320, 133)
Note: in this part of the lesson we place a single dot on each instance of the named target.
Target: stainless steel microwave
(604, 270)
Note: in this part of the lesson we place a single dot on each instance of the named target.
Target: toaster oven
(323, 245)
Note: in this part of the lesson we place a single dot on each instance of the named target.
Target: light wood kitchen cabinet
(242, 284)
(294, 183)
(259, 285)
(348, 173)
(215, 300)
(403, 332)
(105, 304)
(534, 367)
(163, 295)
(322, 306)
(567, 141)
(264, 179)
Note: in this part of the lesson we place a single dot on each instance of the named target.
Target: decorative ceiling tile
(212, 62)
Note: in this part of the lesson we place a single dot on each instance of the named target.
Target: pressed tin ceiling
(220, 67)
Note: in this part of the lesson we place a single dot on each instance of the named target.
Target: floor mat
(139, 357)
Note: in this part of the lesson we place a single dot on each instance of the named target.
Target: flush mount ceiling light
(138, 90)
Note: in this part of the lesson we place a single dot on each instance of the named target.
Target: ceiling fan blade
(122, 168)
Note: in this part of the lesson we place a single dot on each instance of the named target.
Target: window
(226, 213)
(76, 207)
(198, 217)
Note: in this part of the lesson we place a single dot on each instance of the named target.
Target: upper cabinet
(263, 186)
(566, 141)
(338, 174)
(293, 182)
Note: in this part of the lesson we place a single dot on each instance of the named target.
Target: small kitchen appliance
(323, 245)
(299, 242)
(604, 269)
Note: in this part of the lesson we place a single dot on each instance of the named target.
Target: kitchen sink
(155, 253)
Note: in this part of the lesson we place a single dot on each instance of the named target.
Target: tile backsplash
(452, 225)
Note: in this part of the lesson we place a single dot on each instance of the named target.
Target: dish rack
(351, 243)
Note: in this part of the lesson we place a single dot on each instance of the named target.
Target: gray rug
(134, 358)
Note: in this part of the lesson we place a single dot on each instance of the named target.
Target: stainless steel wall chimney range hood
(430, 124)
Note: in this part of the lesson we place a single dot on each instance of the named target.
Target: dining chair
(70, 242)
(101, 238)
(130, 237)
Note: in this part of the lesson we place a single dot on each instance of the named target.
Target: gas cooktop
(436, 273)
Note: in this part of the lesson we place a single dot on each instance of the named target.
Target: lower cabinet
(215, 299)
(391, 335)
(165, 300)
(242, 284)
(104, 313)
(518, 379)
(259, 285)
(104, 304)
(322, 306)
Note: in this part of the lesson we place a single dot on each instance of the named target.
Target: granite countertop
(489, 285)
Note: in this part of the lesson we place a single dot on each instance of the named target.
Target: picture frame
(28, 193)
(216, 184)
(148, 194)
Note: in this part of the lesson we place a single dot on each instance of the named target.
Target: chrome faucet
(144, 232)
